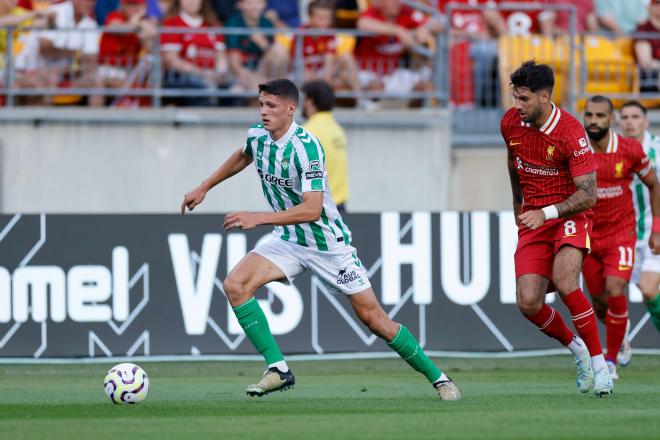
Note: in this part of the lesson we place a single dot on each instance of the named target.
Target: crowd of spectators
(65, 47)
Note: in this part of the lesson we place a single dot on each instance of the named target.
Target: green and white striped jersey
(289, 167)
(641, 196)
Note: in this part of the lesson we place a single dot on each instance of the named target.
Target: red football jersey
(315, 48)
(547, 159)
(614, 215)
(196, 48)
(383, 53)
(119, 49)
(520, 21)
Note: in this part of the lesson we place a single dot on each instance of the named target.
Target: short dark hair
(320, 93)
(634, 103)
(533, 76)
(320, 4)
(601, 99)
(281, 87)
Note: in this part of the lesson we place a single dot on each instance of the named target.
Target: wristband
(656, 224)
(551, 212)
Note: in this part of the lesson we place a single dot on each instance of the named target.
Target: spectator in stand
(517, 21)
(59, 56)
(254, 56)
(283, 13)
(12, 14)
(119, 53)
(195, 60)
(620, 16)
(321, 60)
(102, 8)
(647, 50)
(470, 34)
(317, 109)
(381, 57)
(586, 20)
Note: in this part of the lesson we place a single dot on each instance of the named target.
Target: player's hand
(654, 243)
(192, 199)
(532, 219)
(241, 220)
(406, 38)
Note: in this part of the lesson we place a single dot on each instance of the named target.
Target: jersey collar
(550, 123)
(281, 142)
(613, 144)
(189, 20)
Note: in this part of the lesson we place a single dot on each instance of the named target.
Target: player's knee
(234, 290)
(529, 307)
(373, 321)
(565, 287)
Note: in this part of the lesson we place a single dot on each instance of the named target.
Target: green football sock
(654, 309)
(255, 325)
(405, 344)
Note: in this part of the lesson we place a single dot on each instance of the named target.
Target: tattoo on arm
(516, 188)
(582, 199)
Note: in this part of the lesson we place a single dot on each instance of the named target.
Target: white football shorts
(645, 261)
(340, 269)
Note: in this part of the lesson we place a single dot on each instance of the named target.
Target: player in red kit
(607, 269)
(553, 180)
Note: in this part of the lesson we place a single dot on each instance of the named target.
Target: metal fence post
(9, 67)
(156, 72)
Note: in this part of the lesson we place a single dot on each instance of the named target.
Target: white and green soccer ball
(126, 384)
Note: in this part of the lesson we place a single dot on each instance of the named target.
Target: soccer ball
(126, 384)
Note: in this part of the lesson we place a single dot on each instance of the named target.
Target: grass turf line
(529, 398)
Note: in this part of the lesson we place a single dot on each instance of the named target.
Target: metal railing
(152, 86)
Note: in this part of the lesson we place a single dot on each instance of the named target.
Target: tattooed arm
(581, 200)
(516, 189)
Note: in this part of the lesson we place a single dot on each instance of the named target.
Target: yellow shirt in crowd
(333, 139)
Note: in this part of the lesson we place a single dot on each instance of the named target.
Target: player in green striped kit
(309, 234)
(646, 273)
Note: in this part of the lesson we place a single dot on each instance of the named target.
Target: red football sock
(615, 323)
(551, 323)
(584, 320)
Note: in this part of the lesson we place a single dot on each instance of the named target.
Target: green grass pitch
(524, 398)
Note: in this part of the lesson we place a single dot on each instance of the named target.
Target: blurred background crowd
(215, 52)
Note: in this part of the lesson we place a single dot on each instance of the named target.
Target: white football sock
(598, 362)
(577, 346)
(280, 365)
(442, 377)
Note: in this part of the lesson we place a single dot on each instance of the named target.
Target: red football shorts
(614, 261)
(537, 249)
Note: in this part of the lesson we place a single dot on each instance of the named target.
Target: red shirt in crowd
(315, 49)
(614, 215)
(119, 49)
(382, 53)
(654, 42)
(470, 21)
(521, 21)
(547, 159)
(196, 48)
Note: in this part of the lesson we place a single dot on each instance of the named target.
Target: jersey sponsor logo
(345, 277)
(609, 192)
(537, 170)
(513, 144)
(315, 165)
(583, 142)
(550, 152)
(310, 175)
(581, 152)
(280, 181)
(618, 170)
